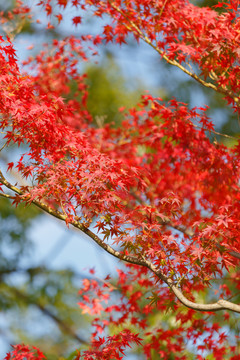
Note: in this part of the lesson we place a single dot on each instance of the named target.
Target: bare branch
(3, 146)
(7, 196)
(218, 133)
(61, 323)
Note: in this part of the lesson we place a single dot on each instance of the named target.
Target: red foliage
(157, 187)
(23, 352)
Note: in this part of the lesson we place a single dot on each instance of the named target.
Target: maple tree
(155, 192)
(48, 290)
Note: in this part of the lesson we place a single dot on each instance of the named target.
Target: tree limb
(61, 324)
(219, 305)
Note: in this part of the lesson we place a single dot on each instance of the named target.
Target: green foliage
(14, 223)
(48, 298)
(108, 92)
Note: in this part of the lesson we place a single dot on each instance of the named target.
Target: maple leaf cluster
(21, 352)
(155, 192)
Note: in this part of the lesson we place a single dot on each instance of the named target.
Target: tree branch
(61, 324)
(217, 133)
(134, 28)
(219, 305)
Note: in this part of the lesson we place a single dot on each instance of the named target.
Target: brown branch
(61, 324)
(3, 146)
(217, 133)
(76, 224)
(7, 196)
(219, 305)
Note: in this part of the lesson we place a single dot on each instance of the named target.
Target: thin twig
(3, 146)
(217, 133)
(7, 196)
(61, 323)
